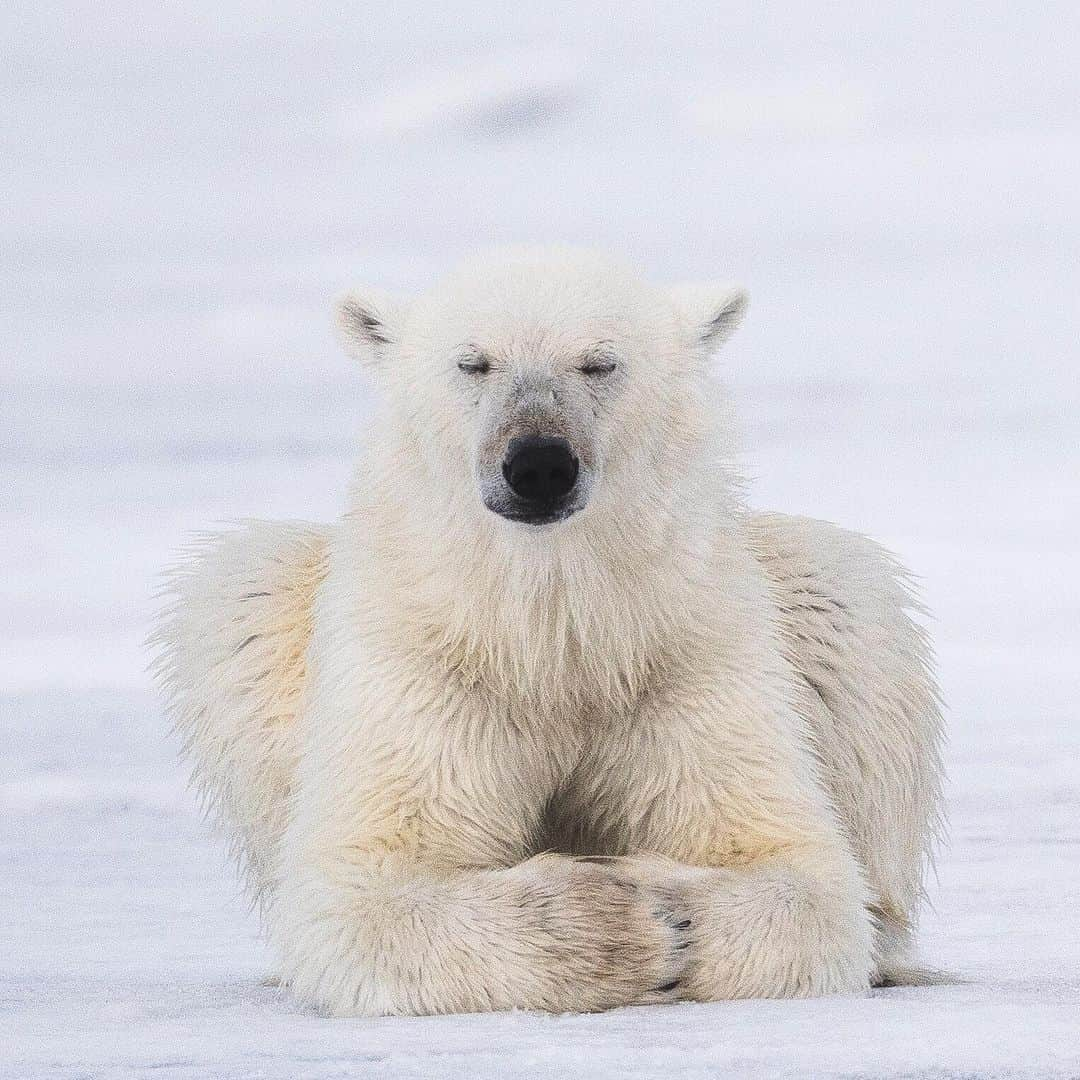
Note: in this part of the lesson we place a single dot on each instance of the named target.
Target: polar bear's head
(546, 380)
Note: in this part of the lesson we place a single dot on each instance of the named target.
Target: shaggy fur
(663, 748)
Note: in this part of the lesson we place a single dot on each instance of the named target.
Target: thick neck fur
(593, 603)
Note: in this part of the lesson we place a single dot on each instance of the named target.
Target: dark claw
(682, 945)
(668, 987)
(684, 925)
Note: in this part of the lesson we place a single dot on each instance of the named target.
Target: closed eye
(478, 366)
(597, 367)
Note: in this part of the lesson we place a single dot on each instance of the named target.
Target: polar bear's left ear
(713, 311)
(366, 321)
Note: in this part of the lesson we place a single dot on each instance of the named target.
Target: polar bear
(549, 719)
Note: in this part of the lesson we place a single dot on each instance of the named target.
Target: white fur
(413, 723)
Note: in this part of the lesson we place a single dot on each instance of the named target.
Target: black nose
(540, 469)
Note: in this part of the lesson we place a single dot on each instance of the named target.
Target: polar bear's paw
(613, 940)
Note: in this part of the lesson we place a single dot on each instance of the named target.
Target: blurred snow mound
(513, 94)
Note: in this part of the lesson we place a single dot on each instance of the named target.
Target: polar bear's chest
(618, 804)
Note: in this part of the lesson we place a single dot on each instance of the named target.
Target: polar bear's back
(232, 659)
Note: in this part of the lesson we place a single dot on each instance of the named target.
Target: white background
(182, 191)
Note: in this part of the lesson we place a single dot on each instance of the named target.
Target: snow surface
(184, 189)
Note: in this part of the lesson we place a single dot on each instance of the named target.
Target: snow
(897, 189)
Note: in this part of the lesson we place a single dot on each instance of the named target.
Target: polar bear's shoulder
(844, 608)
(234, 589)
(818, 568)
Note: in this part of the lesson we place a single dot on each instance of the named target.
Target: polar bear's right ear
(714, 310)
(366, 321)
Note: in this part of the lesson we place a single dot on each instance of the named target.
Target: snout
(541, 472)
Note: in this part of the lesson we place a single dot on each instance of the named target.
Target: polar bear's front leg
(788, 925)
(384, 936)
(792, 925)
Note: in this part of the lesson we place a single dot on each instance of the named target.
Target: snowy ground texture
(183, 190)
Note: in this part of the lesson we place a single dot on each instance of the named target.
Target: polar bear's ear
(366, 321)
(713, 309)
